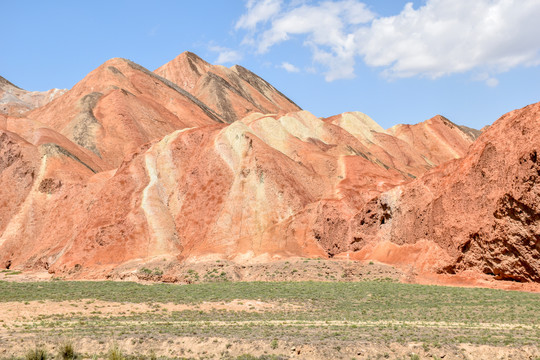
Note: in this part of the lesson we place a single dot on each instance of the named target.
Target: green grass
(358, 301)
(10, 272)
(336, 313)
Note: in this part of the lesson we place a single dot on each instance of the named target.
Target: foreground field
(273, 320)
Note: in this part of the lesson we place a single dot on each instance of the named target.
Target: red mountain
(128, 169)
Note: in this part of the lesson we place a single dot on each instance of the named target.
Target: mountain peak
(233, 93)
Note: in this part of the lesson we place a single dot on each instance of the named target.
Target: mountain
(120, 106)
(263, 188)
(16, 101)
(478, 213)
(233, 92)
(128, 169)
(411, 149)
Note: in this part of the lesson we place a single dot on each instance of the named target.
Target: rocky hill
(16, 101)
(480, 212)
(130, 167)
(231, 92)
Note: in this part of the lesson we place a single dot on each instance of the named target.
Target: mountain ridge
(129, 168)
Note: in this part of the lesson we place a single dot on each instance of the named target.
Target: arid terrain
(232, 224)
(195, 163)
(371, 317)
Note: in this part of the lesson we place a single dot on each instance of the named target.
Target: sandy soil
(16, 315)
(17, 318)
(220, 348)
(29, 311)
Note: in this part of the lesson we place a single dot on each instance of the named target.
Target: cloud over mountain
(440, 38)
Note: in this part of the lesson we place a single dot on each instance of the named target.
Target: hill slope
(128, 168)
(480, 212)
(233, 92)
(16, 101)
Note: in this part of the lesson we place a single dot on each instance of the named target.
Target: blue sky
(471, 61)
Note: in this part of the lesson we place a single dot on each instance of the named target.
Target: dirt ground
(17, 316)
(293, 269)
(20, 322)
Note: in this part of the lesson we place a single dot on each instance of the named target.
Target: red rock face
(119, 107)
(233, 92)
(127, 168)
(437, 139)
(263, 188)
(17, 173)
(480, 212)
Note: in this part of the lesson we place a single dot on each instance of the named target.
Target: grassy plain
(371, 319)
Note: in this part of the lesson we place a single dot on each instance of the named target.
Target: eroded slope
(232, 92)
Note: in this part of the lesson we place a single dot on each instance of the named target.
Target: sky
(397, 61)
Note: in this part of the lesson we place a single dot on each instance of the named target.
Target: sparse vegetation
(37, 353)
(115, 353)
(155, 272)
(66, 351)
(336, 315)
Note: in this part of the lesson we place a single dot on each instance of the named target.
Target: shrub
(115, 353)
(38, 353)
(146, 271)
(66, 351)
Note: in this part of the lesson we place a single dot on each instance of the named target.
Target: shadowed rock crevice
(511, 258)
(115, 70)
(517, 211)
(49, 185)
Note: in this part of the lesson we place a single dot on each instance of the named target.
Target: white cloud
(258, 11)
(226, 55)
(289, 67)
(490, 81)
(454, 36)
(326, 30)
(440, 38)
(324, 24)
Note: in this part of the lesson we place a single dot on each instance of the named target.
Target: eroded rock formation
(232, 92)
(129, 167)
(15, 101)
(480, 212)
